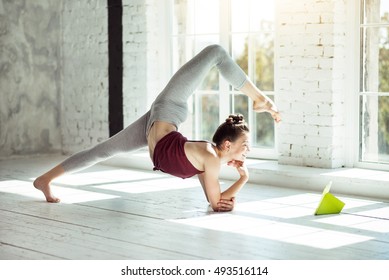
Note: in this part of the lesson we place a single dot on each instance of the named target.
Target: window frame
(355, 20)
(224, 91)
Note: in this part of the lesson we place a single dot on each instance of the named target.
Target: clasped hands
(225, 205)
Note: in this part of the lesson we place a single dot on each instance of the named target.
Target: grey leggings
(170, 106)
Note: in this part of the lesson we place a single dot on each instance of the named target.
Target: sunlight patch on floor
(118, 180)
(292, 206)
(274, 230)
(67, 195)
(154, 185)
(126, 181)
(272, 215)
(106, 176)
(328, 239)
(382, 213)
(358, 222)
(224, 222)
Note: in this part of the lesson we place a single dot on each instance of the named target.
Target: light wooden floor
(112, 213)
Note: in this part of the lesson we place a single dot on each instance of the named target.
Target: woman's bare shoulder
(210, 155)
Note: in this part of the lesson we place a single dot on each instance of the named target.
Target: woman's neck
(220, 154)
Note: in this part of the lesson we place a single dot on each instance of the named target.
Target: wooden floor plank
(72, 241)
(12, 252)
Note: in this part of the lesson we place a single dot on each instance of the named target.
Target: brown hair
(230, 130)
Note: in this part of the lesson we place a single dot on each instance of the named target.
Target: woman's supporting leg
(129, 139)
(42, 183)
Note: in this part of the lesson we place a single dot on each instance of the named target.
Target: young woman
(169, 150)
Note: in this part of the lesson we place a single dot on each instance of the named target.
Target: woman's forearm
(235, 188)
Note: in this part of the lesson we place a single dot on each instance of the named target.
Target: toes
(53, 199)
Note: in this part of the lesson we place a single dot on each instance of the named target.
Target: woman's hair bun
(234, 127)
(235, 119)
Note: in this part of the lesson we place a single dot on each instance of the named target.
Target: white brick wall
(134, 59)
(310, 82)
(85, 74)
(141, 43)
(85, 67)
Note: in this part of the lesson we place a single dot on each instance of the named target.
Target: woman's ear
(226, 145)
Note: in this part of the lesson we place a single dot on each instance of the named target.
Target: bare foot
(267, 106)
(260, 106)
(42, 185)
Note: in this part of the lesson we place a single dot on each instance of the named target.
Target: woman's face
(240, 148)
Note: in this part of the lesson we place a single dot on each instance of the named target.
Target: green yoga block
(329, 204)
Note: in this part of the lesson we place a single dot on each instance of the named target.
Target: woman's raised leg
(171, 104)
(186, 80)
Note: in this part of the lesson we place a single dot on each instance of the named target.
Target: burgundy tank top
(169, 156)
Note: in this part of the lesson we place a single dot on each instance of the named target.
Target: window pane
(375, 11)
(262, 57)
(263, 132)
(209, 115)
(260, 54)
(211, 81)
(207, 17)
(240, 105)
(182, 50)
(240, 51)
(374, 132)
(240, 21)
(262, 15)
(375, 59)
(183, 17)
(264, 62)
(203, 41)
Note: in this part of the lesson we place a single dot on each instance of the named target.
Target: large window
(245, 28)
(374, 81)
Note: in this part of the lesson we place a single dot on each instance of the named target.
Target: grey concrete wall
(29, 77)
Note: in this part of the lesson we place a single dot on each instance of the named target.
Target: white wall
(85, 68)
(142, 50)
(84, 74)
(311, 81)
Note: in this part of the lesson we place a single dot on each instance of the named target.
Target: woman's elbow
(223, 205)
(214, 206)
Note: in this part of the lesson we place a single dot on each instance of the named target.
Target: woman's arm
(210, 182)
(222, 201)
(244, 177)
